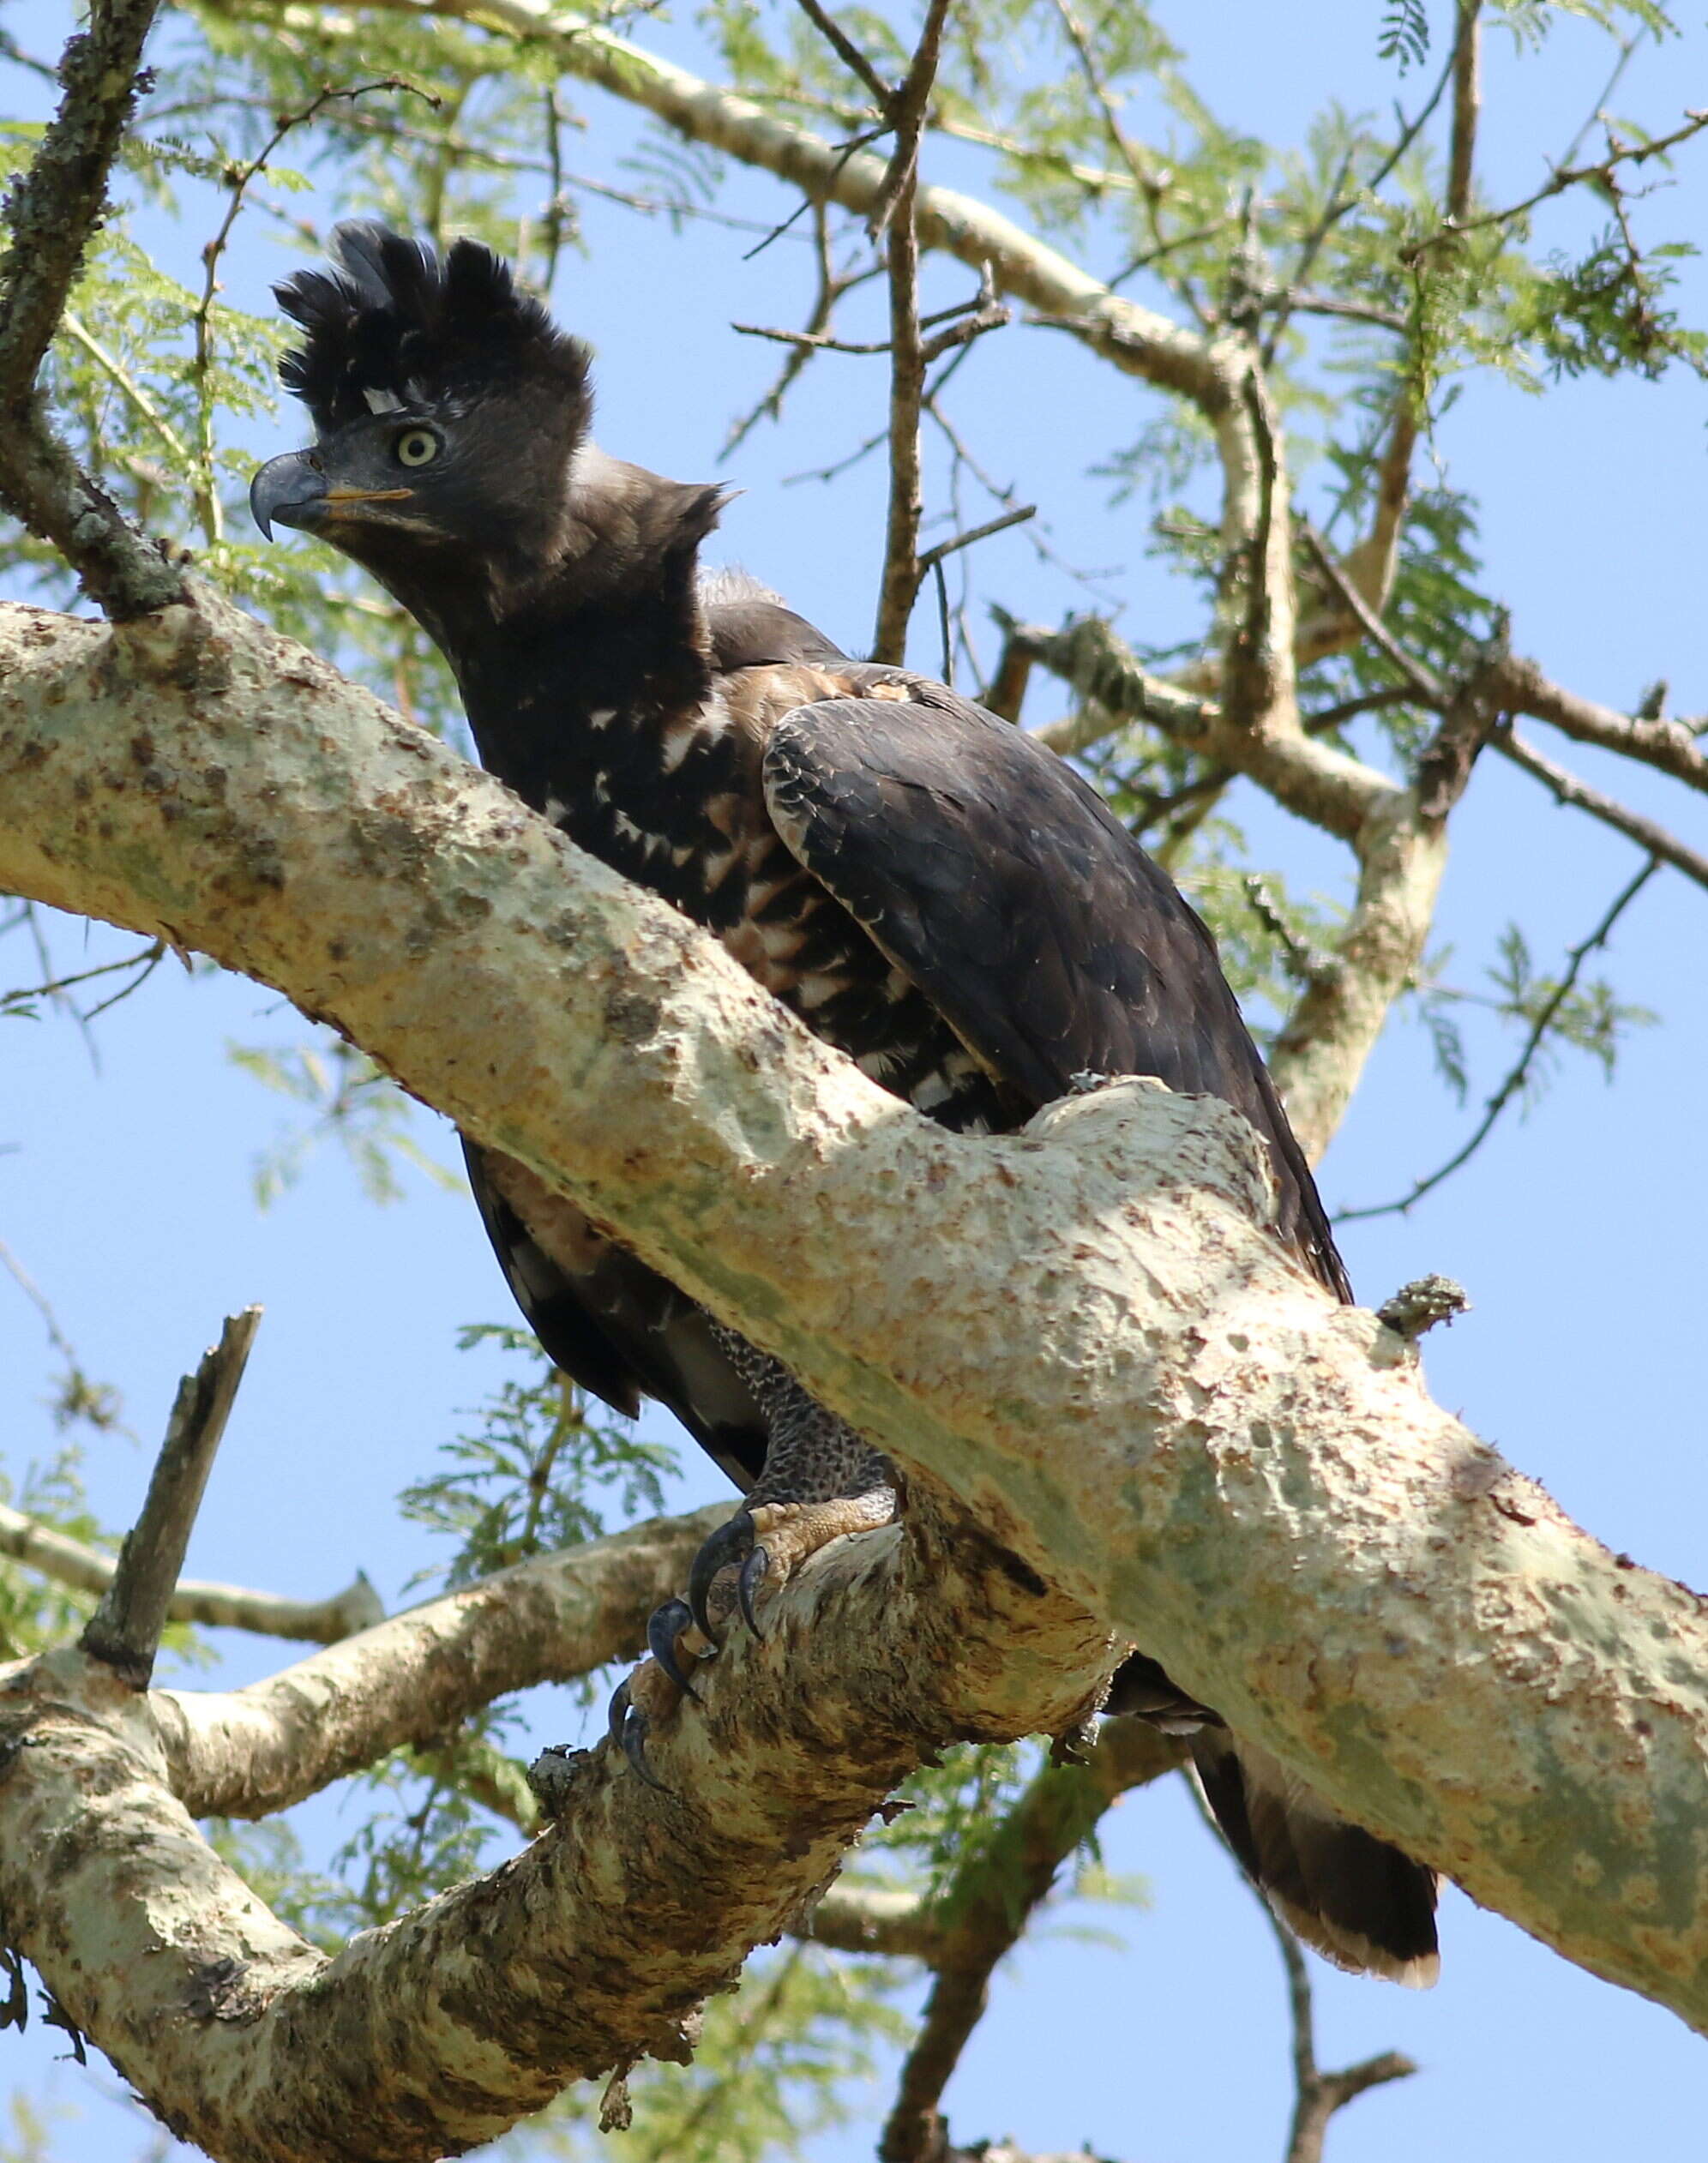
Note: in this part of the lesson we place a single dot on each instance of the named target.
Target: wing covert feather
(1003, 886)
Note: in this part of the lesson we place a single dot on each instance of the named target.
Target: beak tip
(283, 485)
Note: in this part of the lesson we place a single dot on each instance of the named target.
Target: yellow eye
(416, 447)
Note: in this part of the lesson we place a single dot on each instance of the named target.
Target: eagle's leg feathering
(820, 1480)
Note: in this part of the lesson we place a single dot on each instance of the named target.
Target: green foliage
(524, 1482)
(36, 1613)
(353, 1104)
(1591, 1018)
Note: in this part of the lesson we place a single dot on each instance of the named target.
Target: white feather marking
(627, 829)
(602, 717)
(379, 401)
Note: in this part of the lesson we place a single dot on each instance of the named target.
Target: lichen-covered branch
(593, 1947)
(412, 1679)
(1190, 1440)
(1673, 747)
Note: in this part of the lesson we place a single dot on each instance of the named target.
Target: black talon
(618, 1713)
(628, 1732)
(732, 1542)
(663, 1627)
(752, 1577)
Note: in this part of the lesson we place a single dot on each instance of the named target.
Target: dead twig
(124, 1630)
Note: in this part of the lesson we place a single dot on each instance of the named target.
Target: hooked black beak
(289, 490)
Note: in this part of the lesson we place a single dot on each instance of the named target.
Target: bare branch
(124, 1630)
(1670, 746)
(1567, 789)
(1520, 1073)
(953, 547)
(989, 1906)
(899, 584)
(1426, 685)
(221, 1606)
(893, 215)
(883, 96)
(1467, 104)
(49, 215)
(1603, 171)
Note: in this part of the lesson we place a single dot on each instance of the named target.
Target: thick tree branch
(1313, 780)
(590, 1949)
(412, 1679)
(1190, 1441)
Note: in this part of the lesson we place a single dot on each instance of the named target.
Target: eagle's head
(448, 412)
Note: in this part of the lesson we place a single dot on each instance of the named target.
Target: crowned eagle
(932, 894)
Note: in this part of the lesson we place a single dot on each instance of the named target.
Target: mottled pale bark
(1187, 1438)
(243, 1753)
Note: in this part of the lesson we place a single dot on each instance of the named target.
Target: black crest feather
(391, 318)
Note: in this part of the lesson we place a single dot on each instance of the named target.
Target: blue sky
(1576, 1231)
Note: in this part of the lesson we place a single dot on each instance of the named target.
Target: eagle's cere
(933, 894)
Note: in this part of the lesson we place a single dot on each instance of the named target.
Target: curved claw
(628, 1732)
(731, 1543)
(616, 1715)
(663, 1627)
(751, 1578)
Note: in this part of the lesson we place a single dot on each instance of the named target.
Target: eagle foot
(760, 1546)
(767, 1542)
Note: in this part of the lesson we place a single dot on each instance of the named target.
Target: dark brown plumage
(933, 895)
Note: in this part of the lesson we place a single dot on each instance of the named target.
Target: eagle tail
(1358, 1901)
